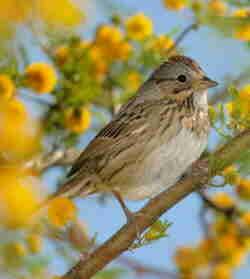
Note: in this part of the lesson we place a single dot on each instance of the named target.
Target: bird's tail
(75, 187)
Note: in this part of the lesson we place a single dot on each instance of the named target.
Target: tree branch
(54, 158)
(157, 206)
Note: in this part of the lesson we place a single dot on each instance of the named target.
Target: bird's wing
(113, 139)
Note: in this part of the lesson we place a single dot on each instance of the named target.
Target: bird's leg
(130, 215)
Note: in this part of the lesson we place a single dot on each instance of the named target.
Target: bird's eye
(182, 78)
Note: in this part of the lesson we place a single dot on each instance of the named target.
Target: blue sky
(218, 57)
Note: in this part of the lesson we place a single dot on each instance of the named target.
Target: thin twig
(144, 269)
(222, 94)
(54, 158)
(181, 37)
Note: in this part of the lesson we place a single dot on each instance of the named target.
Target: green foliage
(111, 273)
(157, 231)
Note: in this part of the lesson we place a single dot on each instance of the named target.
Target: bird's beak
(206, 82)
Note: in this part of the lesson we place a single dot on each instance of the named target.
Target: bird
(152, 140)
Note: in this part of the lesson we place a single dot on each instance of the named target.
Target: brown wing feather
(98, 149)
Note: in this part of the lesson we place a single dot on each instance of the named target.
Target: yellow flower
(175, 5)
(107, 34)
(121, 51)
(242, 13)
(99, 69)
(231, 175)
(221, 271)
(243, 189)
(17, 109)
(7, 87)
(242, 32)
(223, 200)
(40, 77)
(83, 46)
(95, 53)
(18, 198)
(110, 44)
(245, 218)
(227, 244)
(134, 81)
(237, 257)
(139, 27)
(187, 258)
(205, 245)
(223, 226)
(217, 7)
(162, 44)
(18, 249)
(99, 65)
(61, 211)
(77, 120)
(197, 6)
(69, 15)
(239, 110)
(34, 242)
(15, 10)
(230, 107)
(14, 121)
(61, 54)
(244, 93)
(212, 114)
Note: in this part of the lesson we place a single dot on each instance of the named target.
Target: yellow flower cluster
(243, 31)
(243, 189)
(241, 13)
(224, 250)
(61, 211)
(19, 196)
(62, 54)
(197, 6)
(162, 44)
(111, 43)
(223, 200)
(19, 11)
(40, 77)
(77, 120)
(139, 27)
(225, 247)
(133, 81)
(14, 121)
(239, 110)
(7, 87)
(15, 11)
(31, 244)
(176, 5)
(231, 175)
(34, 243)
(70, 14)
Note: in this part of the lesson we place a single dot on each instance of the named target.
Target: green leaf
(157, 231)
(112, 273)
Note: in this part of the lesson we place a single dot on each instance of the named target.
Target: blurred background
(65, 69)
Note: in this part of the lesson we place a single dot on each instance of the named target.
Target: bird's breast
(165, 164)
